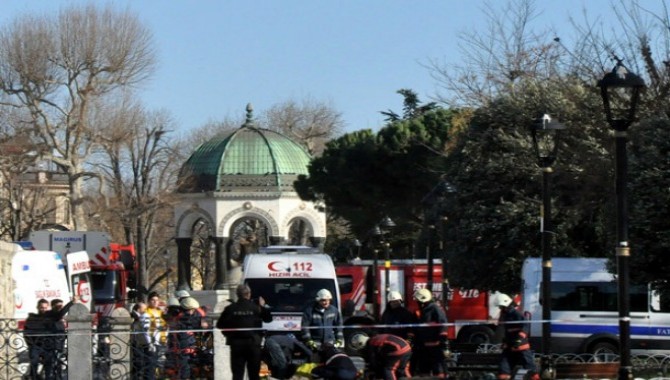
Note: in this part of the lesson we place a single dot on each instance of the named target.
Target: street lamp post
(620, 91)
(432, 216)
(385, 226)
(546, 134)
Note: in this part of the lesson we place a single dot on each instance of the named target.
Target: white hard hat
(394, 296)
(189, 303)
(358, 341)
(172, 301)
(182, 293)
(324, 294)
(504, 300)
(423, 295)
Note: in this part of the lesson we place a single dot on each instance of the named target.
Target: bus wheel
(604, 351)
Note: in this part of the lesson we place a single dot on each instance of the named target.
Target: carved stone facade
(247, 174)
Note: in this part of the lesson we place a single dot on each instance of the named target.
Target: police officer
(431, 345)
(515, 345)
(322, 322)
(245, 345)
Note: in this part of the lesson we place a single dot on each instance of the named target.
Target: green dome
(247, 159)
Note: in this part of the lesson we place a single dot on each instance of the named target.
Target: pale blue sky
(217, 56)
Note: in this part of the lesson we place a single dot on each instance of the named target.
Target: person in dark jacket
(335, 365)
(387, 355)
(41, 331)
(322, 322)
(143, 350)
(431, 346)
(515, 345)
(183, 342)
(279, 351)
(245, 344)
(396, 314)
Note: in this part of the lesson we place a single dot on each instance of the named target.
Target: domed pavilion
(240, 179)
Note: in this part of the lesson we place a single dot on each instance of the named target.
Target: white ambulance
(42, 275)
(289, 281)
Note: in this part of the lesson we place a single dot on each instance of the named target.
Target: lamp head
(620, 90)
(546, 136)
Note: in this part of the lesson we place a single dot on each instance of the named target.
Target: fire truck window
(104, 286)
(346, 284)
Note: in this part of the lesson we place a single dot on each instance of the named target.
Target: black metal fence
(113, 355)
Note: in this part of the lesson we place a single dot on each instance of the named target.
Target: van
(584, 309)
(288, 282)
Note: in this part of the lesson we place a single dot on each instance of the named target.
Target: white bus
(584, 309)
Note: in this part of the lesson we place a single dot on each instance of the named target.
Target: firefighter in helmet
(431, 346)
(515, 345)
(395, 314)
(322, 322)
(388, 355)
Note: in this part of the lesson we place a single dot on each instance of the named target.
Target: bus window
(595, 296)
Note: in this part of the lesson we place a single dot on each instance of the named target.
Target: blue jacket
(326, 324)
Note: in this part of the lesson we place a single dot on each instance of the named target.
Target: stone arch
(186, 221)
(308, 215)
(223, 229)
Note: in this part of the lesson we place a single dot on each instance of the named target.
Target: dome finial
(250, 115)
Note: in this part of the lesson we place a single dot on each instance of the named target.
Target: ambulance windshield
(290, 295)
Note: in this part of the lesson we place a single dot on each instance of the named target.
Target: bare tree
(495, 60)
(310, 123)
(140, 166)
(59, 69)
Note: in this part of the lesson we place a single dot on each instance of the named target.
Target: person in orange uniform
(431, 346)
(387, 354)
(515, 345)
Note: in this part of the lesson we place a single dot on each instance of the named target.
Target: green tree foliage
(362, 176)
(650, 201)
(494, 218)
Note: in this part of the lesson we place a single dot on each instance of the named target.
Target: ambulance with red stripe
(33, 275)
(113, 266)
(288, 278)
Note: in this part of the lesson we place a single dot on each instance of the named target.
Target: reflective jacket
(516, 334)
(326, 324)
(435, 333)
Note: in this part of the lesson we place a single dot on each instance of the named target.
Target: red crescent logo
(271, 266)
(83, 291)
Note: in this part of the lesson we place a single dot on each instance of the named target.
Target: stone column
(184, 263)
(79, 343)
(120, 350)
(221, 259)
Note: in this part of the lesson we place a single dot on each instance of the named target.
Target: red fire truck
(471, 313)
(113, 266)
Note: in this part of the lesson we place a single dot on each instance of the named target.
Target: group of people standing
(44, 333)
(176, 335)
(422, 348)
(408, 343)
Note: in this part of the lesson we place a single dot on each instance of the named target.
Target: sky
(215, 57)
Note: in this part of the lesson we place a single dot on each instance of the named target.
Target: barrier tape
(344, 327)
